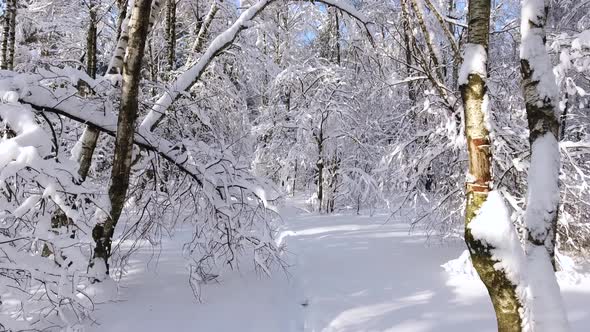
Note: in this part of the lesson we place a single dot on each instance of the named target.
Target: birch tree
(9, 34)
(474, 92)
(89, 139)
(541, 97)
(103, 232)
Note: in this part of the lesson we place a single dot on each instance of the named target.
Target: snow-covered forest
(286, 166)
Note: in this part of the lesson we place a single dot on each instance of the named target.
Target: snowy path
(350, 274)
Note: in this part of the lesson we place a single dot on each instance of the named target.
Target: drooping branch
(192, 75)
(186, 80)
(95, 117)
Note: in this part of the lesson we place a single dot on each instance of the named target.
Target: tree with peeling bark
(474, 92)
(521, 299)
(115, 135)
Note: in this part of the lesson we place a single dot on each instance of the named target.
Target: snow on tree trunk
(545, 308)
(541, 99)
(489, 233)
(103, 231)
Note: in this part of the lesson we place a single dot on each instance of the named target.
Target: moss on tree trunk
(501, 289)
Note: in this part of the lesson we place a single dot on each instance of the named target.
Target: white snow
(543, 182)
(475, 59)
(347, 274)
(545, 311)
(533, 49)
(530, 269)
(493, 226)
(545, 307)
(582, 41)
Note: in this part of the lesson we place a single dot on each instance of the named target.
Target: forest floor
(348, 273)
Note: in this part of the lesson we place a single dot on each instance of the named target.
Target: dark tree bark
(8, 35)
(171, 33)
(139, 28)
(407, 35)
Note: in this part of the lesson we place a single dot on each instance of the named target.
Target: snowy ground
(349, 274)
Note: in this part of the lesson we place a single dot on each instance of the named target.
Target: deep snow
(348, 274)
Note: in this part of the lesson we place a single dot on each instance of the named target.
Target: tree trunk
(541, 97)
(320, 176)
(171, 33)
(407, 35)
(122, 4)
(427, 40)
(90, 135)
(204, 30)
(337, 36)
(5, 33)
(153, 66)
(294, 178)
(205, 26)
(320, 167)
(12, 35)
(8, 36)
(87, 143)
(473, 88)
(103, 231)
(445, 28)
(116, 63)
(91, 41)
(563, 117)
